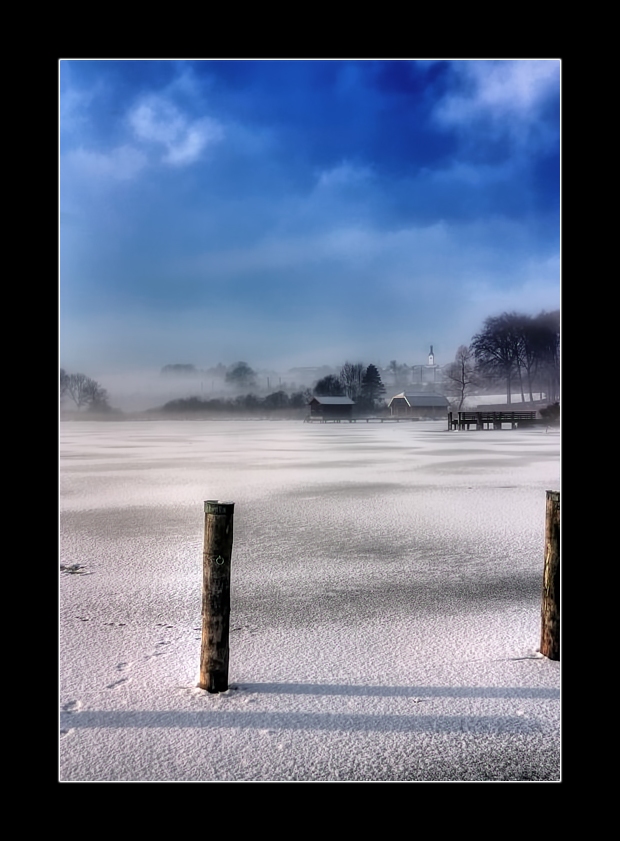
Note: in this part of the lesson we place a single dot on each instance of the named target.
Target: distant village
(515, 358)
(403, 391)
(419, 391)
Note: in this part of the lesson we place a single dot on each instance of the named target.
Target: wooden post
(216, 556)
(550, 632)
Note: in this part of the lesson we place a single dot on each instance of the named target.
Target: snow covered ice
(386, 586)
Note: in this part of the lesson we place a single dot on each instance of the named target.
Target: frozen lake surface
(385, 603)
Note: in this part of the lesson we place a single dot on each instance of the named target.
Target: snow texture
(386, 585)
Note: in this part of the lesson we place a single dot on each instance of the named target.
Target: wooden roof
(422, 399)
(333, 401)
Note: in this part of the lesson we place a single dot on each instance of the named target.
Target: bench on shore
(492, 420)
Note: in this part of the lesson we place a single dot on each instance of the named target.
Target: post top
(213, 506)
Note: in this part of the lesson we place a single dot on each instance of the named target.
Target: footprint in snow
(116, 683)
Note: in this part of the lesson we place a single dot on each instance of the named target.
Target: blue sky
(301, 212)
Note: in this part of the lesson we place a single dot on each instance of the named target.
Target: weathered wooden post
(216, 557)
(550, 632)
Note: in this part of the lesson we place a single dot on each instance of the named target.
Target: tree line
(278, 401)
(85, 392)
(521, 350)
(513, 350)
(362, 384)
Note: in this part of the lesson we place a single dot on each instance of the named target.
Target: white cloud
(72, 109)
(345, 174)
(500, 90)
(356, 246)
(194, 141)
(514, 86)
(160, 132)
(75, 103)
(157, 121)
(122, 163)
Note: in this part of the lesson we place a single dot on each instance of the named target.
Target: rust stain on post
(216, 558)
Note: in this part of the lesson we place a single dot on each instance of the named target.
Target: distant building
(425, 376)
(331, 408)
(418, 404)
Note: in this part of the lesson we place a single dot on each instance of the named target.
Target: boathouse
(331, 408)
(419, 404)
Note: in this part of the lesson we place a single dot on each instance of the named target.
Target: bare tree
(547, 368)
(351, 376)
(539, 340)
(64, 383)
(496, 349)
(85, 391)
(528, 341)
(513, 346)
(97, 396)
(461, 375)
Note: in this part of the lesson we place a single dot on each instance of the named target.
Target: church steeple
(431, 357)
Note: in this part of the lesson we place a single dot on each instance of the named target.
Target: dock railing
(491, 420)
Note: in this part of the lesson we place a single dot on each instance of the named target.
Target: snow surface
(386, 586)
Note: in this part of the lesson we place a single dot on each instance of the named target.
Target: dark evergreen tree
(373, 389)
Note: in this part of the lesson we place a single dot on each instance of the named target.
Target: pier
(492, 420)
(318, 419)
